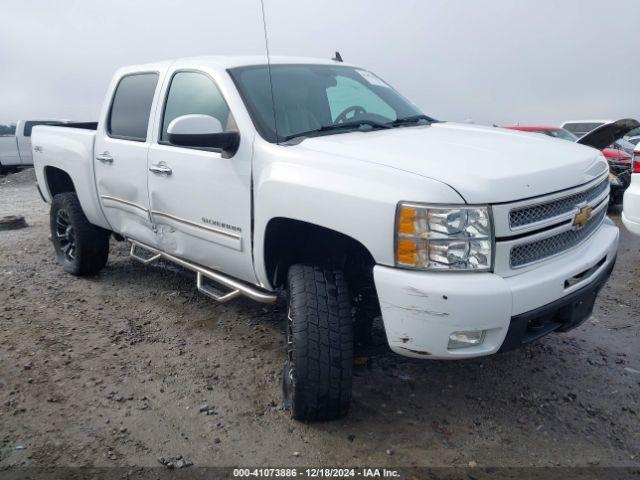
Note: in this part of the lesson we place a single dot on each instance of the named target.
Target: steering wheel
(355, 109)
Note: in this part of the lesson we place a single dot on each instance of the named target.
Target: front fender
(355, 198)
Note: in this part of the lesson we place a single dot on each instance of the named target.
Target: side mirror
(202, 131)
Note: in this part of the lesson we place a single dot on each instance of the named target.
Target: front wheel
(81, 247)
(319, 332)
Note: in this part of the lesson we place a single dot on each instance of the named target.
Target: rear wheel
(81, 248)
(319, 332)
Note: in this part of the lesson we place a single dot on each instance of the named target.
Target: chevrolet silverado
(315, 182)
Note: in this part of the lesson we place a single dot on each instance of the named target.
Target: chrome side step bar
(236, 287)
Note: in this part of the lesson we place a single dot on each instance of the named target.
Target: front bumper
(562, 315)
(421, 310)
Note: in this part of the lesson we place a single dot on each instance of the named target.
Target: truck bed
(82, 125)
(69, 148)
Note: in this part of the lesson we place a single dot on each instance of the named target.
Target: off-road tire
(319, 332)
(89, 248)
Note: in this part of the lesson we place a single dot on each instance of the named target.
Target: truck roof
(224, 61)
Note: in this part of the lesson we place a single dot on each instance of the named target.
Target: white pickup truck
(15, 149)
(318, 181)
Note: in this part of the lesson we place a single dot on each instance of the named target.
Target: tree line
(9, 129)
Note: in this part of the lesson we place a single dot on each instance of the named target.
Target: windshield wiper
(412, 119)
(355, 125)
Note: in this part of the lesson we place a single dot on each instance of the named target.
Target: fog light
(466, 339)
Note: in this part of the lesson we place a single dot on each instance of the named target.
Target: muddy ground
(132, 365)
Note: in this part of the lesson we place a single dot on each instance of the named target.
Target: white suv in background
(631, 202)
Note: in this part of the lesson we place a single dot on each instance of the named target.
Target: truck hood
(483, 164)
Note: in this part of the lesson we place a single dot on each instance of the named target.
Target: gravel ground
(132, 365)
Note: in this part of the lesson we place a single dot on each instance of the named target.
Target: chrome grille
(523, 216)
(527, 253)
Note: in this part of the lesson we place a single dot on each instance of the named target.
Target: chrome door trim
(196, 225)
(124, 202)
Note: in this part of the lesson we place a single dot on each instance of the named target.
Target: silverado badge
(582, 217)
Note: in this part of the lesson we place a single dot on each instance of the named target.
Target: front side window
(317, 99)
(131, 106)
(194, 93)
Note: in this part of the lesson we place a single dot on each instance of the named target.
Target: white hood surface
(483, 164)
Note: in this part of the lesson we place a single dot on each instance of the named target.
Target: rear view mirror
(202, 131)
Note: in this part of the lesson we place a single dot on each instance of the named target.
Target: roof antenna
(338, 57)
(273, 100)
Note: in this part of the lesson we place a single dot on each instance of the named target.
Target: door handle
(104, 157)
(160, 169)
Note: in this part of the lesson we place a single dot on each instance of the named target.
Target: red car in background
(619, 160)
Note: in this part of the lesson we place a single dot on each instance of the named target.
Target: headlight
(443, 238)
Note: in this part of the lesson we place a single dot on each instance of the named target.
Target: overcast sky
(490, 61)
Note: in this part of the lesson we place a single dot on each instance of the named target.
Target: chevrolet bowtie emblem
(582, 217)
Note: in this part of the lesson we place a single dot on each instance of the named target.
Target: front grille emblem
(582, 217)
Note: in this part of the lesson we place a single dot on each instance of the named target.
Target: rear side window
(131, 106)
(194, 93)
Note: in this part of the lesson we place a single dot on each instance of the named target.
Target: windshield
(318, 99)
(624, 145)
(562, 134)
(633, 133)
